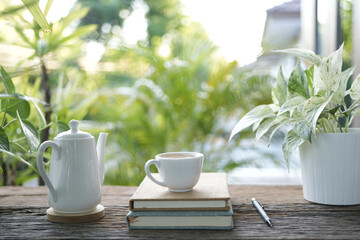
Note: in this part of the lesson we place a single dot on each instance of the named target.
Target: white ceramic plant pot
(330, 168)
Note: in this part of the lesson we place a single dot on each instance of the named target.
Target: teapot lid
(74, 132)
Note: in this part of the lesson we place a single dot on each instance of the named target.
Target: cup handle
(148, 173)
(40, 164)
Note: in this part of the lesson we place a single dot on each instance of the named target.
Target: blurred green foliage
(163, 16)
(186, 99)
(180, 102)
(346, 31)
(27, 112)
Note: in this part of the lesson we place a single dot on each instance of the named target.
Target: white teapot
(76, 170)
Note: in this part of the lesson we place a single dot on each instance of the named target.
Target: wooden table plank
(22, 215)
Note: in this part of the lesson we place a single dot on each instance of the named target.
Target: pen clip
(262, 206)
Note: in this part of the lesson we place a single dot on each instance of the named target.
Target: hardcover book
(210, 193)
(221, 220)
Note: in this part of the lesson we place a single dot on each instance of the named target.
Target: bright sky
(59, 9)
(235, 26)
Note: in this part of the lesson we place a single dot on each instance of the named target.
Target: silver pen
(260, 208)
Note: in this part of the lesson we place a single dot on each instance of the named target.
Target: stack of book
(207, 206)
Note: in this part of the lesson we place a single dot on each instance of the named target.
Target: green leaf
(313, 108)
(297, 115)
(30, 132)
(1, 170)
(298, 83)
(280, 90)
(274, 107)
(291, 104)
(21, 33)
(256, 125)
(19, 158)
(41, 116)
(355, 89)
(279, 122)
(310, 79)
(274, 97)
(81, 31)
(8, 83)
(11, 10)
(303, 54)
(37, 14)
(257, 114)
(17, 104)
(327, 75)
(77, 13)
(291, 142)
(47, 7)
(334, 109)
(62, 126)
(341, 92)
(303, 131)
(4, 140)
(264, 127)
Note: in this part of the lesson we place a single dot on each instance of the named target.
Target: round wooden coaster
(94, 215)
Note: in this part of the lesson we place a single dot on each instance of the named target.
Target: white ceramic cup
(179, 171)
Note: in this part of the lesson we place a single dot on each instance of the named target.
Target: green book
(215, 220)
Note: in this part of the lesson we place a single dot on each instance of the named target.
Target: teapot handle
(40, 164)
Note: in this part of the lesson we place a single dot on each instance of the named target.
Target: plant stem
(348, 111)
(5, 171)
(14, 120)
(47, 126)
(351, 117)
(18, 140)
(2, 157)
(353, 104)
(3, 122)
(21, 147)
(347, 123)
(337, 123)
(47, 91)
(331, 125)
(326, 125)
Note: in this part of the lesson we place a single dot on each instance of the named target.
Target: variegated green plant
(311, 101)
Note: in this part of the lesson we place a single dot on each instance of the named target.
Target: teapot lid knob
(74, 126)
(74, 133)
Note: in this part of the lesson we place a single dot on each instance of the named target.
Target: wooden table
(22, 215)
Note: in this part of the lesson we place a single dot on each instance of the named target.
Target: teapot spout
(100, 148)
